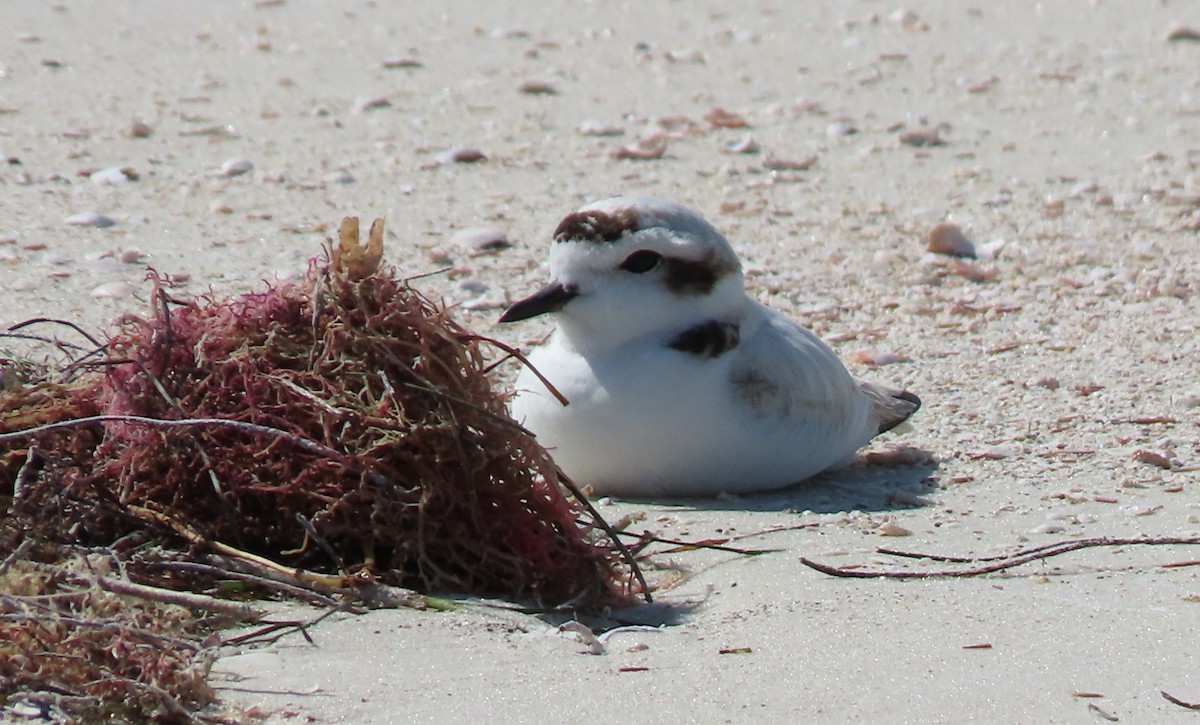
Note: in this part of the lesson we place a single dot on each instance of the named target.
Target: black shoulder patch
(596, 226)
(708, 339)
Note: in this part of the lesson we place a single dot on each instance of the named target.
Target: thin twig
(275, 627)
(311, 531)
(524, 361)
(1176, 701)
(612, 533)
(16, 554)
(1013, 560)
(312, 596)
(969, 559)
(65, 323)
(683, 546)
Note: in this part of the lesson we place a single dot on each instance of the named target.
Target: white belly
(661, 423)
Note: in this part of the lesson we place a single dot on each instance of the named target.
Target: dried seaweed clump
(72, 652)
(343, 423)
(342, 426)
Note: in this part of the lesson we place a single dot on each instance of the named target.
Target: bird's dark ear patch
(596, 226)
(708, 339)
(687, 277)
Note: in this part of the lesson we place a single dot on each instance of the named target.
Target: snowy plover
(679, 383)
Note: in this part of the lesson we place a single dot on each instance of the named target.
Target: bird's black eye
(641, 261)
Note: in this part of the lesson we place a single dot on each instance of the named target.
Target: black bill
(550, 298)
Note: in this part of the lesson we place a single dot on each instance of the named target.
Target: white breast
(646, 420)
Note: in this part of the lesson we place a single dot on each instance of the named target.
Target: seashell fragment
(644, 149)
(133, 255)
(362, 105)
(138, 129)
(1153, 458)
(235, 167)
(538, 87)
(461, 155)
(115, 175)
(113, 291)
(929, 136)
(946, 238)
(1191, 399)
(774, 163)
(401, 61)
(876, 358)
(596, 128)
(1048, 529)
(744, 145)
(890, 528)
(838, 129)
(90, 219)
(908, 20)
(482, 240)
(1183, 32)
(721, 118)
(438, 255)
(339, 177)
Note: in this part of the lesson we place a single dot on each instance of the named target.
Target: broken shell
(1183, 32)
(837, 129)
(482, 240)
(745, 145)
(339, 177)
(721, 118)
(890, 528)
(461, 155)
(438, 255)
(90, 219)
(1153, 458)
(922, 137)
(57, 260)
(361, 105)
(688, 55)
(644, 149)
(875, 358)
(133, 255)
(772, 163)
(1191, 399)
(596, 128)
(114, 175)
(1048, 529)
(537, 87)
(113, 291)
(402, 62)
(946, 238)
(908, 20)
(235, 167)
(138, 129)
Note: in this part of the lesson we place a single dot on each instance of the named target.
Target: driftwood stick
(308, 594)
(237, 610)
(1176, 701)
(994, 565)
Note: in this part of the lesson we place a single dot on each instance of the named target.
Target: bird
(677, 383)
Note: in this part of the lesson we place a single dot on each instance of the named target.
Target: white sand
(1073, 135)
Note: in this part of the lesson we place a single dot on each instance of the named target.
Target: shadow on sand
(861, 486)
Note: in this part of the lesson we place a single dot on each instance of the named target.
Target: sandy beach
(221, 142)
